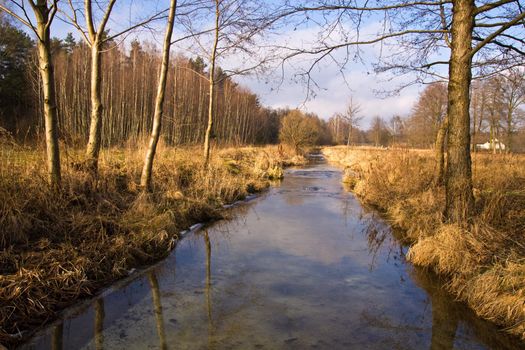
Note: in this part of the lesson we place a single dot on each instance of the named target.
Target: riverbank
(59, 247)
(484, 264)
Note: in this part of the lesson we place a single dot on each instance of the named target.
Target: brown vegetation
(484, 261)
(299, 130)
(59, 246)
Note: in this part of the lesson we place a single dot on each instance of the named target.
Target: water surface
(303, 267)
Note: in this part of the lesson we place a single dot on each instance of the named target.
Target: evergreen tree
(15, 49)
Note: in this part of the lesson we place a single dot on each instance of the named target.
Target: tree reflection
(379, 237)
(208, 287)
(445, 318)
(56, 340)
(157, 304)
(99, 324)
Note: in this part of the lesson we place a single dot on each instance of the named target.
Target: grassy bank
(59, 247)
(484, 264)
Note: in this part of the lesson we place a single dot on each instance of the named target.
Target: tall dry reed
(485, 262)
(59, 246)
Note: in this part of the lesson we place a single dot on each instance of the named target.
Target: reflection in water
(450, 317)
(444, 320)
(157, 304)
(208, 274)
(445, 316)
(99, 324)
(376, 237)
(208, 287)
(381, 242)
(57, 339)
(306, 266)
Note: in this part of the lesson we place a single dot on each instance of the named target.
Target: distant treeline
(129, 83)
(496, 109)
(129, 89)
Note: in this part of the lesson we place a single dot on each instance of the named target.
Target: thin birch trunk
(42, 14)
(95, 128)
(440, 151)
(145, 180)
(213, 58)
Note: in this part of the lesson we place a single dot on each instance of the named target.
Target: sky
(331, 90)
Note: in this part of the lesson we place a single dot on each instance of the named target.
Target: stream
(304, 266)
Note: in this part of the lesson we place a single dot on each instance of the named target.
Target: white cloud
(334, 88)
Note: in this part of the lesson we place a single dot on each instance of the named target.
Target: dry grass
(58, 247)
(484, 263)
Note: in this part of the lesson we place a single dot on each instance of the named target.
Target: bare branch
(25, 22)
(89, 20)
(492, 36)
(491, 6)
(105, 19)
(379, 8)
(155, 17)
(503, 45)
(53, 10)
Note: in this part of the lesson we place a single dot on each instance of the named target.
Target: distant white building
(500, 146)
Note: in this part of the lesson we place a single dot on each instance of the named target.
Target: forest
(129, 88)
(114, 141)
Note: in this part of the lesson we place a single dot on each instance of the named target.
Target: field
(57, 247)
(482, 263)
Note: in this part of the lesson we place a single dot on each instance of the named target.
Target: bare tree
(213, 60)
(236, 23)
(298, 130)
(44, 12)
(145, 180)
(464, 27)
(397, 125)
(379, 132)
(130, 82)
(477, 111)
(429, 124)
(513, 91)
(427, 114)
(495, 109)
(96, 37)
(352, 118)
(336, 124)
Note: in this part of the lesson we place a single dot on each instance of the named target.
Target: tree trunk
(458, 183)
(48, 88)
(492, 138)
(95, 128)
(349, 136)
(96, 42)
(145, 180)
(474, 122)
(498, 135)
(477, 127)
(213, 58)
(440, 151)
(509, 147)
